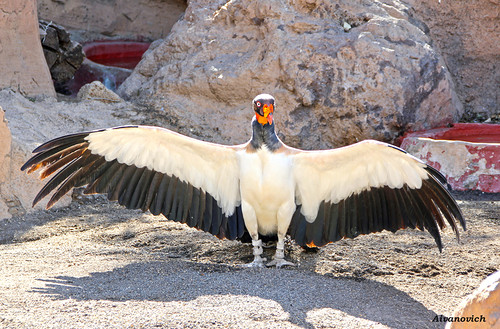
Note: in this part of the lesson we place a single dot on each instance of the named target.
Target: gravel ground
(97, 265)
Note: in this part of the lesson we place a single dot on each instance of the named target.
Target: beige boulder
(97, 91)
(340, 71)
(22, 63)
(16, 191)
(482, 307)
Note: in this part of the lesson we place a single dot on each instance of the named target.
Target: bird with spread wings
(262, 187)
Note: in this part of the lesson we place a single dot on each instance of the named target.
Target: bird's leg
(258, 261)
(253, 229)
(279, 256)
(284, 217)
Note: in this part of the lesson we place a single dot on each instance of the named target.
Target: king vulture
(262, 187)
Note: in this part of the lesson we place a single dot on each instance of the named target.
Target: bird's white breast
(266, 184)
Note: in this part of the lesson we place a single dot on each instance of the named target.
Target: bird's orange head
(263, 105)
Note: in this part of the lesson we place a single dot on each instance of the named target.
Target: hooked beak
(267, 116)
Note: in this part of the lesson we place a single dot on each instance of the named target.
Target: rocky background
(355, 69)
(130, 19)
(340, 71)
(467, 34)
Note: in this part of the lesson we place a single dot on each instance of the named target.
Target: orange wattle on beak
(268, 115)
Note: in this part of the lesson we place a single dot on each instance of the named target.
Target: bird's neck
(264, 135)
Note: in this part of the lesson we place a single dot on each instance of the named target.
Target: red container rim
(124, 54)
(467, 132)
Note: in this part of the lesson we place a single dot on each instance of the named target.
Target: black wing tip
(38, 198)
(438, 176)
(49, 148)
(440, 180)
(25, 166)
(71, 138)
(461, 220)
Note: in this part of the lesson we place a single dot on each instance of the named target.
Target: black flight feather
(129, 187)
(61, 176)
(159, 198)
(116, 192)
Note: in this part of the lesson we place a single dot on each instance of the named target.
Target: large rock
(16, 190)
(97, 91)
(481, 309)
(340, 71)
(31, 123)
(467, 35)
(468, 163)
(22, 64)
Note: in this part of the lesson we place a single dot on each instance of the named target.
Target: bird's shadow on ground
(298, 292)
(24, 227)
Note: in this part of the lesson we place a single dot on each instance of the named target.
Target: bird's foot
(257, 262)
(279, 262)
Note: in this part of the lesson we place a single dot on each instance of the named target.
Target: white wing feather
(334, 175)
(211, 167)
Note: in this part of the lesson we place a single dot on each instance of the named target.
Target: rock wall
(22, 64)
(16, 189)
(5, 142)
(341, 71)
(467, 33)
(151, 19)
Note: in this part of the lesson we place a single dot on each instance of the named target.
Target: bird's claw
(257, 262)
(280, 262)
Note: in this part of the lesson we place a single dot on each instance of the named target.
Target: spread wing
(367, 187)
(144, 167)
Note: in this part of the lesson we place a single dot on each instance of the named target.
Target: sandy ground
(97, 265)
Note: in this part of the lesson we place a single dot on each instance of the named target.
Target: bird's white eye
(258, 104)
